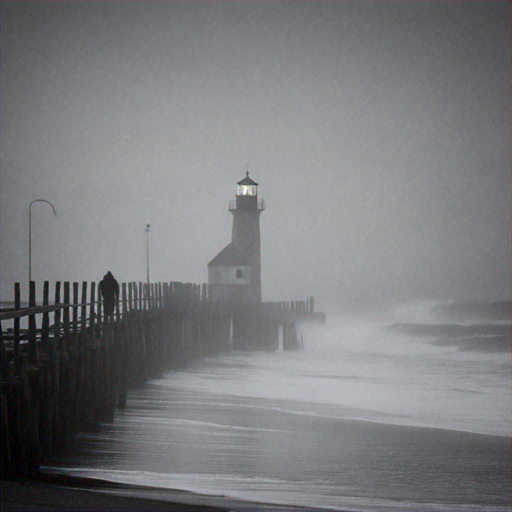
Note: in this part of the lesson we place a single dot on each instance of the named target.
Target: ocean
(408, 409)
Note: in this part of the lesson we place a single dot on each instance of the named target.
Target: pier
(66, 367)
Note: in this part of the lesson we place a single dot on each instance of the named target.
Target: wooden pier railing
(65, 367)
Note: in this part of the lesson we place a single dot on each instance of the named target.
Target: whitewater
(369, 416)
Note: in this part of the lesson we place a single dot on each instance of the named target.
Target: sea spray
(334, 425)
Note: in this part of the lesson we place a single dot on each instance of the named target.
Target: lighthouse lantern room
(247, 187)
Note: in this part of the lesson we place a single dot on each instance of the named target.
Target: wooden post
(32, 347)
(130, 296)
(136, 296)
(141, 296)
(123, 299)
(45, 325)
(65, 313)
(83, 315)
(160, 296)
(92, 310)
(56, 318)
(99, 313)
(17, 305)
(75, 308)
(5, 362)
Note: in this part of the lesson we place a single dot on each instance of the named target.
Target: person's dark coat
(109, 289)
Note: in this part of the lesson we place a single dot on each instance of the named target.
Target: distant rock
(476, 338)
(482, 310)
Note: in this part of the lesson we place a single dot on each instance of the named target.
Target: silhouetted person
(109, 289)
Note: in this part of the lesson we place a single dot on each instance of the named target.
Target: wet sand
(275, 451)
(67, 493)
(419, 465)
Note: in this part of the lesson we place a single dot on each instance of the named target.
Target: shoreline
(70, 493)
(65, 492)
(355, 448)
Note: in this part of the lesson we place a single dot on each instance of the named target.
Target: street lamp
(147, 251)
(30, 232)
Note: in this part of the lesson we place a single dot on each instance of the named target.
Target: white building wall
(228, 275)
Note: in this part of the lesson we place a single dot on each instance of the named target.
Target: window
(239, 273)
(247, 190)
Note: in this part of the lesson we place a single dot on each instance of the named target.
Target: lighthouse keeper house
(238, 265)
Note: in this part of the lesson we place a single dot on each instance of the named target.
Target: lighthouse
(238, 265)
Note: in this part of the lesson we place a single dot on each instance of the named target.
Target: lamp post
(147, 252)
(30, 232)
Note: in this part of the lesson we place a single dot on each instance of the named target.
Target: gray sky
(379, 133)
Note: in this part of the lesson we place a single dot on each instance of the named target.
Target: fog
(379, 134)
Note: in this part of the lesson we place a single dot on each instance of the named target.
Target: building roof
(247, 180)
(231, 255)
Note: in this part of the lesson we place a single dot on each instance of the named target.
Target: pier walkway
(65, 367)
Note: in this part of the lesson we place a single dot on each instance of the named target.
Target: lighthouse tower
(239, 263)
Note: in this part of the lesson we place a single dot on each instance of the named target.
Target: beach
(71, 495)
(47, 493)
(292, 455)
(363, 419)
(334, 464)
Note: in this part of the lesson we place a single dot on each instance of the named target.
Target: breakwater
(66, 367)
